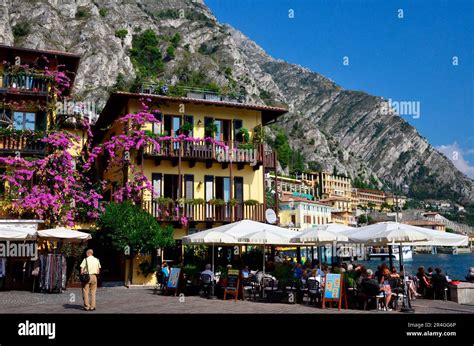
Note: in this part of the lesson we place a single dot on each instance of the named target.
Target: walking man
(90, 265)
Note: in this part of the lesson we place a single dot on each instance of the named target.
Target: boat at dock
(382, 253)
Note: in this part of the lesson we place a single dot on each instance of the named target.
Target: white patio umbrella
(318, 236)
(62, 233)
(17, 233)
(389, 233)
(243, 227)
(210, 237)
(334, 227)
(265, 237)
(441, 238)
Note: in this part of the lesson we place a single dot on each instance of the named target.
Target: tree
(128, 227)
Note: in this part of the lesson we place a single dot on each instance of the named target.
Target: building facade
(198, 181)
(368, 197)
(300, 213)
(28, 98)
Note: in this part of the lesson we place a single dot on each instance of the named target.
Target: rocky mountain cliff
(334, 129)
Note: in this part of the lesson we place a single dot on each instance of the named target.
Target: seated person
(470, 275)
(245, 272)
(369, 286)
(165, 271)
(298, 271)
(208, 271)
(439, 281)
(394, 274)
(424, 283)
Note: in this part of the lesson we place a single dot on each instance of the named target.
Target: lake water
(455, 266)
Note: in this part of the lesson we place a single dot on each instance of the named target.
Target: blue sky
(403, 59)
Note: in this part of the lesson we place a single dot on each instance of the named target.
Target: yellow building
(437, 226)
(391, 200)
(28, 101)
(289, 185)
(344, 218)
(367, 197)
(338, 203)
(196, 180)
(300, 213)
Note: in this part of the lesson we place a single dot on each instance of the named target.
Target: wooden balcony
(25, 144)
(26, 83)
(205, 212)
(204, 151)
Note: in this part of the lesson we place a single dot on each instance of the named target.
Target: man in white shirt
(90, 265)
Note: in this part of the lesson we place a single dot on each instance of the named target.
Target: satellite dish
(270, 216)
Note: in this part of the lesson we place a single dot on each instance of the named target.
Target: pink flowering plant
(62, 189)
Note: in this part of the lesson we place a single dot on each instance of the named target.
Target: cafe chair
(313, 290)
(206, 285)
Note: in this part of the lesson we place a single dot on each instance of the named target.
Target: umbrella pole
(213, 271)
(390, 253)
(406, 302)
(263, 277)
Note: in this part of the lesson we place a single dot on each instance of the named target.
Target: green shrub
(170, 53)
(251, 202)
(145, 55)
(103, 12)
(175, 39)
(121, 33)
(21, 29)
(82, 12)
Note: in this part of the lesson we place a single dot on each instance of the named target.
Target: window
(157, 128)
(24, 121)
(156, 183)
(189, 119)
(237, 127)
(189, 186)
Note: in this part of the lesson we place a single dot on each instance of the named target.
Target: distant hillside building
(365, 197)
(300, 213)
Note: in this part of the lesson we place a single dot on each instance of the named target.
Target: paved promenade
(141, 300)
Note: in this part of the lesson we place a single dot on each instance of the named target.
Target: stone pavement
(124, 300)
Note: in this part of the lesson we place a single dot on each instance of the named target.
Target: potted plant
(243, 135)
(197, 201)
(251, 202)
(186, 128)
(211, 130)
(233, 202)
(164, 201)
(217, 202)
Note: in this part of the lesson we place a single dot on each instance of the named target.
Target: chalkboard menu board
(232, 287)
(333, 286)
(232, 278)
(174, 278)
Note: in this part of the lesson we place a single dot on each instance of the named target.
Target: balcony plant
(211, 130)
(246, 146)
(233, 202)
(251, 202)
(186, 128)
(197, 201)
(243, 135)
(164, 201)
(217, 202)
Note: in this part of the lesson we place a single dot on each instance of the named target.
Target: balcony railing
(23, 143)
(205, 212)
(34, 83)
(202, 150)
(195, 93)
